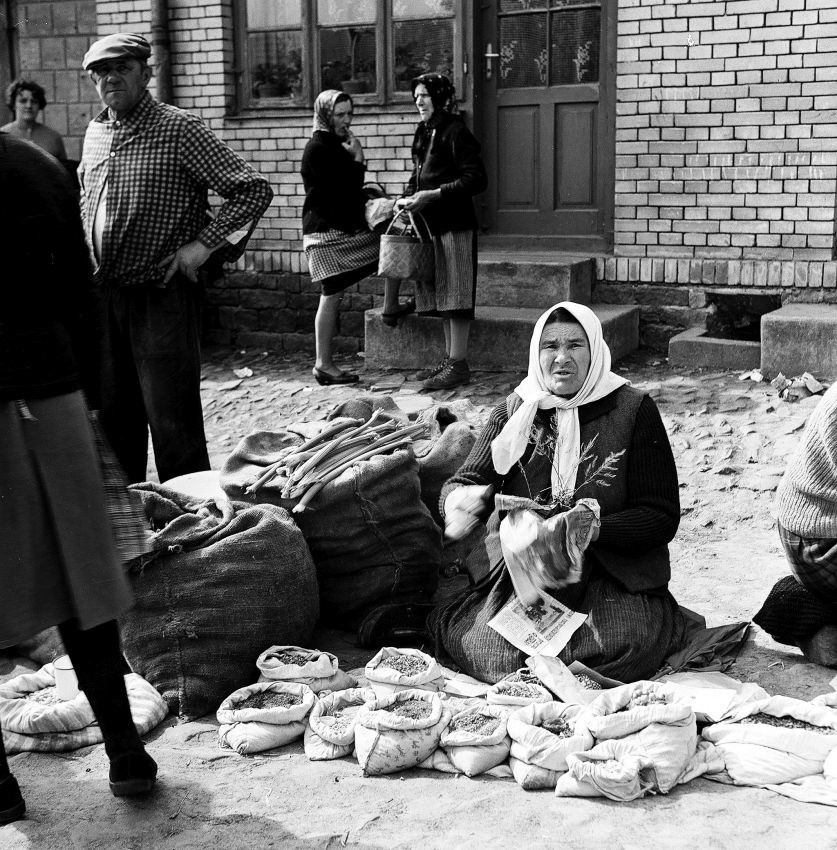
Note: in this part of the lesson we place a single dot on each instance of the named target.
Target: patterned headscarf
(324, 107)
(441, 91)
(508, 446)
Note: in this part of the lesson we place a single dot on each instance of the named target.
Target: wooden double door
(546, 102)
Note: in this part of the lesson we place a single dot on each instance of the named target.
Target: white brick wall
(726, 129)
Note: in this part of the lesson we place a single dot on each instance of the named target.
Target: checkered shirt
(159, 163)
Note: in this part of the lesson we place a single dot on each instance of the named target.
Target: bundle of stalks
(306, 469)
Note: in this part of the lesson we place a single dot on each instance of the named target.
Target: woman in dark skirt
(58, 557)
(533, 447)
(339, 247)
(447, 173)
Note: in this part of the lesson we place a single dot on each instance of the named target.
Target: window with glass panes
(293, 49)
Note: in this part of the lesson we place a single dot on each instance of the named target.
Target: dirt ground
(731, 439)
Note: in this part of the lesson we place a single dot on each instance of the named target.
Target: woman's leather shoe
(132, 773)
(392, 319)
(12, 806)
(326, 378)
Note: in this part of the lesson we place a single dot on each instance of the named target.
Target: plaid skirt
(813, 562)
(453, 292)
(337, 260)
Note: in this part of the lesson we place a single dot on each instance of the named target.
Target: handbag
(408, 255)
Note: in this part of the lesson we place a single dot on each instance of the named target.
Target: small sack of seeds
(264, 715)
(399, 731)
(476, 740)
(542, 737)
(628, 709)
(393, 670)
(780, 739)
(330, 733)
(319, 670)
(519, 688)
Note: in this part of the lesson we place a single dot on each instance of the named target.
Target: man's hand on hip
(186, 260)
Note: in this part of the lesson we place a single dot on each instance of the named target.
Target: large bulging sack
(368, 531)
(226, 581)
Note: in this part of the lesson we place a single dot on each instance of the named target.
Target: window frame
(386, 95)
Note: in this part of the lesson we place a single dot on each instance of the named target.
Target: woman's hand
(463, 507)
(417, 202)
(354, 147)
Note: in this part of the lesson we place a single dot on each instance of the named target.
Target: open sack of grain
(399, 731)
(646, 742)
(523, 687)
(330, 733)
(542, 738)
(354, 492)
(475, 741)
(774, 740)
(394, 669)
(319, 670)
(264, 715)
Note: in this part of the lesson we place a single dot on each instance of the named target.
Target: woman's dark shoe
(12, 806)
(392, 319)
(455, 373)
(396, 624)
(326, 378)
(132, 773)
(424, 374)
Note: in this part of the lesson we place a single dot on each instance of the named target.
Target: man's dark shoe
(424, 374)
(397, 624)
(12, 806)
(132, 773)
(454, 373)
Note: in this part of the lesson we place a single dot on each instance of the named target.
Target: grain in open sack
(522, 687)
(476, 739)
(330, 733)
(319, 670)
(394, 669)
(625, 710)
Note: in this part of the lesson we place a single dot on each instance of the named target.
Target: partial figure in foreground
(339, 247)
(572, 430)
(27, 99)
(447, 173)
(801, 610)
(58, 560)
(145, 174)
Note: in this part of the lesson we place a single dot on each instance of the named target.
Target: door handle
(489, 55)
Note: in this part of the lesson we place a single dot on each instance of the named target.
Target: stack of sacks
(517, 689)
(543, 737)
(476, 741)
(392, 670)
(399, 731)
(330, 733)
(646, 743)
(263, 716)
(319, 670)
(774, 740)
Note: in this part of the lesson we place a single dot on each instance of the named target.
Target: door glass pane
(575, 47)
(270, 14)
(422, 47)
(403, 10)
(521, 5)
(275, 63)
(332, 12)
(523, 51)
(347, 59)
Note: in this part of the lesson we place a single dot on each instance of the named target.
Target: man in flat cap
(145, 173)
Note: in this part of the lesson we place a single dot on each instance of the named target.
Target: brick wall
(726, 129)
(51, 39)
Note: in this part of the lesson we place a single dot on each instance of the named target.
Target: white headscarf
(509, 445)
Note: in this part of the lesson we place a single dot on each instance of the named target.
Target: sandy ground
(731, 440)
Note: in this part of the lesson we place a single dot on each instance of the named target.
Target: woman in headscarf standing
(569, 411)
(447, 173)
(340, 248)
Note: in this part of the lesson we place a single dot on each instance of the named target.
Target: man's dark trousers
(151, 367)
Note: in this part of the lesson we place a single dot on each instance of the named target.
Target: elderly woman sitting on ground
(572, 430)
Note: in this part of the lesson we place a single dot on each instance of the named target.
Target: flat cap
(116, 46)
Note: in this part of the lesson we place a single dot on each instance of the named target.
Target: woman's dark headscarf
(441, 91)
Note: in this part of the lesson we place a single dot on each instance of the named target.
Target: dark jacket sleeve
(471, 179)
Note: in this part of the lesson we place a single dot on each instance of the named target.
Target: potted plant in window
(354, 85)
(267, 80)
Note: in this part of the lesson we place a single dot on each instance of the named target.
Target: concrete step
(694, 348)
(800, 338)
(499, 339)
(532, 279)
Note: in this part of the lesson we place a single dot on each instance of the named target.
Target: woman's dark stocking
(12, 806)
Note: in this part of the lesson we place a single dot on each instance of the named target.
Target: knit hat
(116, 46)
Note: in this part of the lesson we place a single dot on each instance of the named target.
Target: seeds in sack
(296, 658)
(523, 676)
(46, 696)
(640, 700)
(587, 683)
(269, 699)
(478, 724)
(559, 727)
(518, 689)
(415, 709)
(785, 723)
(409, 665)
